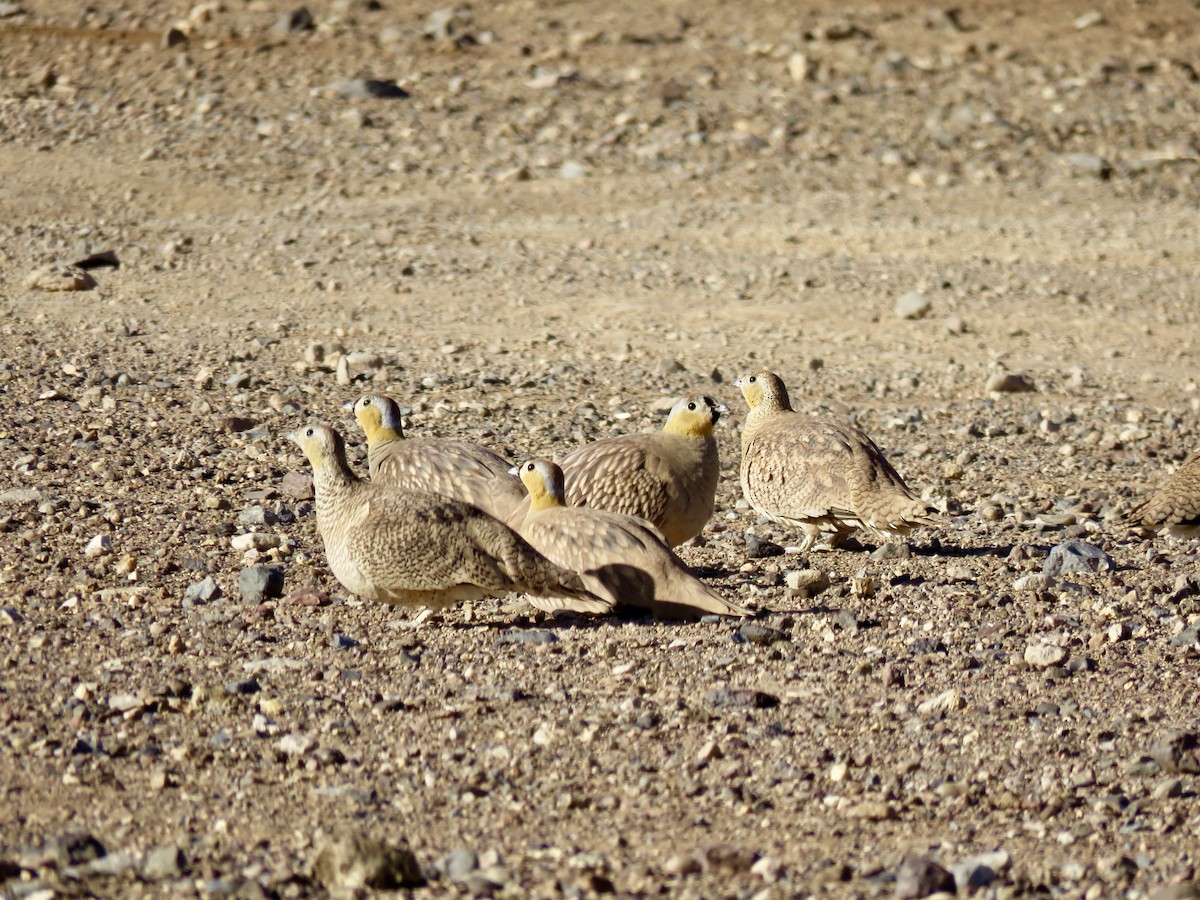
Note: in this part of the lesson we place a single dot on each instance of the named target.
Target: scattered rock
(803, 583)
(100, 545)
(721, 698)
(297, 485)
(912, 305)
(919, 876)
(203, 591)
(258, 582)
(1178, 752)
(758, 548)
(349, 859)
(527, 636)
(763, 635)
(1043, 656)
(1075, 557)
(256, 540)
(60, 278)
(166, 861)
(1010, 383)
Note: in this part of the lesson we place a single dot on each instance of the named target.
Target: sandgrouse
(414, 548)
(457, 469)
(817, 475)
(669, 477)
(1174, 508)
(623, 559)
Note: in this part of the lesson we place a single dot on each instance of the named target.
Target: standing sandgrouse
(1174, 508)
(669, 477)
(820, 476)
(413, 548)
(623, 559)
(457, 469)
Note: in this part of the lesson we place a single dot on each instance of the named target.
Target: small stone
(459, 864)
(943, 704)
(721, 698)
(257, 582)
(10, 615)
(1178, 752)
(296, 744)
(172, 37)
(306, 596)
(1089, 164)
(166, 861)
(1164, 790)
(297, 485)
(60, 278)
(980, 871)
(125, 702)
(1076, 557)
(797, 66)
(351, 860)
(202, 591)
(243, 687)
(294, 22)
(378, 88)
(444, 24)
(892, 550)
(1089, 19)
(804, 583)
(238, 381)
(724, 859)
(571, 170)
(75, 848)
(343, 642)
(1043, 656)
(1189, 637)
(761, 634)
(1119, 631)
(1010, 383)
(100, 545)
(759, 548)
(234, 424)
(527, 636)
(912, 305)
(256, 540)
(20, 495)
(919, 876)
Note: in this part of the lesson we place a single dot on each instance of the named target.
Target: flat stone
(60, 278)
(1075, 557)
(258, 582)
(1043, 656)
(202, 591)
(912, 305)
(763, 635)
(351, 860)
(981, 870)
(527, 636)
(1010, 383)
(256, 540)
(297, 485)
(805, 583)
(20, 495)
(296, 743)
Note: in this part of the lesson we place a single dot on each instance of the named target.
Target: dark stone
(1076, 558)
(293, 22)
(762, 634)
(258, 582)
(921, 646)
(759, 548)
(342, 642)
(740, 699)
(244, 687)
(919, 877)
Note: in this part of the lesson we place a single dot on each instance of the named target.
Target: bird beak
(737, 383)
(722, 408)
(513, 470)
(348, 406)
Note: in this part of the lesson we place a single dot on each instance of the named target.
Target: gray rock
(763, 635)
(203, 591)
(10, 615)
(343, 642)
(1043, 656)
(243, 687)
(919, 876)
(351, 860)
(1076, 557)
(527, 636)
(385, 89)
(806, 582)
(100, 545)
(942, 705)
(979, 871)
(444, 24)
(1179, 752)
(299, 19)
(257, 515)
(1010, 383)
(892, 550)
(459, 864)
(20, 495)
(571, 170)
(74, 848)
(760, 548)
(1189, 637)
(1089, 164)
(721, 698)
(257, 582)
(165, 861)
(10, 9)
(912, 305)
(296, 744)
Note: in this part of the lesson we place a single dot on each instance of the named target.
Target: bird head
(321, 445)
(694, 416)
(763, 390)
(544, 481)
(379, 418)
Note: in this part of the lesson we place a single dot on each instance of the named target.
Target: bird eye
(529, 467)
(308, 432)
(753, 378)
(691, 406)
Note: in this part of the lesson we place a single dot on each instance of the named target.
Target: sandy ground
(580, 212)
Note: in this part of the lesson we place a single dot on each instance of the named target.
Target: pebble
(350, 860)
(384, 89)
(1089, 164)
(258, 582)
(892, 550)
(459, 864)
(1189, 637)
(1075, 557)
(1043, 655)
(165, 861)
(60, 278)
(343, 642)
(571, 170)
(20, 495)
(804, 583)
(943, 704)
(298, 20)
(1010, 383)
(759, 548)
(763, 635)
(527, 636)
(912, 305)
(721, 698)
(297, 485)
(981, 870)
(1179, 752)
(202, 591)
(296, 743)
(919, 876)
(100, 545)
(10, 615)
(256, 540)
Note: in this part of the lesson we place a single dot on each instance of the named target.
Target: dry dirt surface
(535, 225)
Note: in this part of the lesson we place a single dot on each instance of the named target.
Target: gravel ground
(537, 225)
